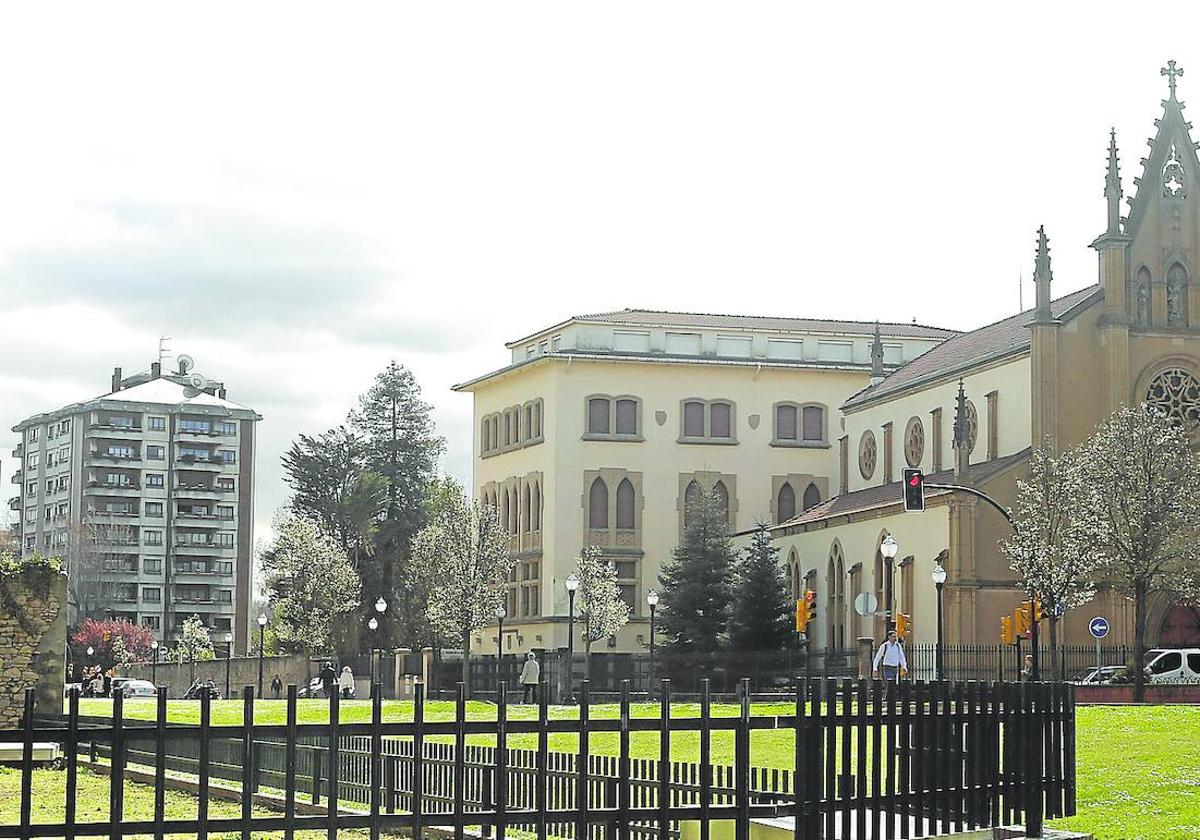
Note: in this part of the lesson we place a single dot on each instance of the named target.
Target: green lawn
(1139, 767)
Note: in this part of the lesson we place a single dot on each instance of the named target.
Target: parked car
(116, 684)
(1178, 665)
(1098, 676)
(139, 688)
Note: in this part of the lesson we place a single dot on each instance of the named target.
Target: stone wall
(243, 671)
(33, 644)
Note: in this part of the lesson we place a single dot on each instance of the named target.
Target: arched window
(515, 517)
(1177, 296)
(536, 508)
(721, 497)
(627, 417)
(529, 428)
(495, 431)
(786, 425)
(484, 427)
(598, 505)
(537, 418)
(693, 419)
(1141, 296)
(785, 503)
(689, 500)
(528, 508)
(812, 496)
(504, 512)
(720, 420)
(794, 574)
(625, 504)
(813, 418)
(598, 412)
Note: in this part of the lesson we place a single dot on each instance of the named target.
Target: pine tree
(697, 581)
(758, 619)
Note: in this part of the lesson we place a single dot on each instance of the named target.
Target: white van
(1177, 665)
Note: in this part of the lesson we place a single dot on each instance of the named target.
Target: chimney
(221, 393)
(116, 380)
(155, 370)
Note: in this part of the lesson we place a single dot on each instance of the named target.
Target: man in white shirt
(890, 657)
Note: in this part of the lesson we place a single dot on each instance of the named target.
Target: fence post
(316, 776)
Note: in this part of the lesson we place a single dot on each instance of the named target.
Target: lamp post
(888, 548)
(228, 660)
(380, 607)
(262, 634)
(572, 583)
(501, 613)
(939, 580)
(373, 625)
(154, 662)
(652, 602)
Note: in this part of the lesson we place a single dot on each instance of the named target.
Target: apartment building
(147, 492)
(600, 427)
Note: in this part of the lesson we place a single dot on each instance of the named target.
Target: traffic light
(914, 490)
(1021, 620)
(1038, 613)
(806, 611)
(1007, 637)
(903, 625)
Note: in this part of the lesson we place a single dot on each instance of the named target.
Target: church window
(1177, 303)
(812, 496)
(785, 422)
(598, 506)
(627, 417)
(1176, 393)
(867, 454)
(625, 505)
(1143, 296)
(814, 424)
(690, 494)
(972, 420)
(598, 408)
(721, 420)
(721, 496)
(785, 503)
(914, 441)
(693, 419)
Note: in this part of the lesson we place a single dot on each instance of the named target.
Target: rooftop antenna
(163, 349)
(1020, 291)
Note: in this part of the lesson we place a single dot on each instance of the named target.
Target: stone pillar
(33, 643)
(866, 651)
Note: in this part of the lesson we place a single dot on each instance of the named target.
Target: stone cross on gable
(1170, 71)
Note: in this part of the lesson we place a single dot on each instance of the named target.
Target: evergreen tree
(697, 581)
(759, 616)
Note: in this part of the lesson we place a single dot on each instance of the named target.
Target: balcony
(111, 430)
(111, 458)
(102, 488)
(191, 462)
(19, 451)
(205, 571)
(18, 477)
(201, 491)
(205, 548)
(98, 515)
(14, 503)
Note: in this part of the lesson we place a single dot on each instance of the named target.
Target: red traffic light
(914, 480)
(914, 490)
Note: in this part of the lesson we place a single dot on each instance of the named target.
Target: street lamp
(228, 659)
(501, 614)
(939, 580)
(373, 625)
(888, 548)
(572, 583)
(380, 607)
(262, 633)
(154, 662)
(652, 602)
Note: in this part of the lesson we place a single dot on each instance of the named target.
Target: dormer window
(683, 343)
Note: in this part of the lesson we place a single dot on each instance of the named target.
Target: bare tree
(1051, 551)
(600, 604)
(463, 557)
(91, 553)
(1141, 508)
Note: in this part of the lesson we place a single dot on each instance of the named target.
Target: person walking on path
(328, 679)
(276, 685)
(1027, 671)
(531, 675)
(346, 682)
(891, 658)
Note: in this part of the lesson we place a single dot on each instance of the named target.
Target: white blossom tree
(313, 588)
(1051, 551)
(600, 604)
(463, 554)
(1141, 509)
(194, 644)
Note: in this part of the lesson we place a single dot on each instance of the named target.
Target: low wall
(243, 671)
(1155, 694)
(33, 644)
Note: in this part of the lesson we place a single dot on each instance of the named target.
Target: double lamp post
(889, 548)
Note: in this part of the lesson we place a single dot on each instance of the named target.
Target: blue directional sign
(1098, 627)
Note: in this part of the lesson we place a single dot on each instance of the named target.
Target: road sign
(1098, 627)
(1059, 610)
(865, 603)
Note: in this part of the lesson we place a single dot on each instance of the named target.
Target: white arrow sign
(1098, 627)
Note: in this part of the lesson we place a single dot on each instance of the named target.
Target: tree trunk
(1139, 640)
(466, 663)
(1055, 659)
(587, 658)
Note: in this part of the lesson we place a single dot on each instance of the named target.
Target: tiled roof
(965, 350)
(159, 391)
(884, 495)
(652, 317)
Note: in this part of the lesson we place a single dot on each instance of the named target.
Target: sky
(297, 194)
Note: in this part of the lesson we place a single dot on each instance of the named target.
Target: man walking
(531, 675)
(328, 679)
(890, 657)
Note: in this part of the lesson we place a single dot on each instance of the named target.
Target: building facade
(147, 493)
(601, 426)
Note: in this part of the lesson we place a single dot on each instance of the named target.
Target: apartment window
(151, 594)
(226, 428)
(152, 536)
(154, 508)
(228, 456)
(33, 435)
(31, 488)
(30, 515)
(785, 348)
(224, 596)
(195, 452)
(200, 426)
(225, 539)
(708, 422)
(152, 566)
(598, 410)
(154, 453)
(64, 481)
(631, 342)
(33, 460)
(225, 483)
(835, 351)
(685, 344)
(156, 424)
(735, 346)
(64, 427)
(119, 451)
(50, 486)
(61, 511)
(155, 479)
(627, 417)
(224, 511)
(222, 624)
(31, 541)
(64, 454)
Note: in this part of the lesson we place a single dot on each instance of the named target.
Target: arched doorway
(1180, 627)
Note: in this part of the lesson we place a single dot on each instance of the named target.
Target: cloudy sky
(297, 194)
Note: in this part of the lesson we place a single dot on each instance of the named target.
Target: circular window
(866, 454)
(972, 419)
(914, 442)
(1176, 393)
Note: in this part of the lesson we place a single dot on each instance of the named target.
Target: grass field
(1138, 767)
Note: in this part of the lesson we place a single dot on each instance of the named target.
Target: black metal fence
(878, 760)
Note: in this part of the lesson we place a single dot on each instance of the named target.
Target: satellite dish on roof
(198, 381)
(185, 363)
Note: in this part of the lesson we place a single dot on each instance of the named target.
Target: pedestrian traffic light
(903, 625)
(1021, 620)
(1006, 630)
(914, 490)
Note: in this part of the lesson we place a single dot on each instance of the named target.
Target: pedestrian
(276, 685)
(98, 685)
(891, 657)
(346, 683)
(328, 679)
(531, 675)
(1027, 671)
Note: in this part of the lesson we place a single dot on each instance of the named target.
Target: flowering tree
(1141, 510)
(600, 604)
(1051, 551)
(312, 585)
(113, 642)
(463, 556)
(194, 643)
